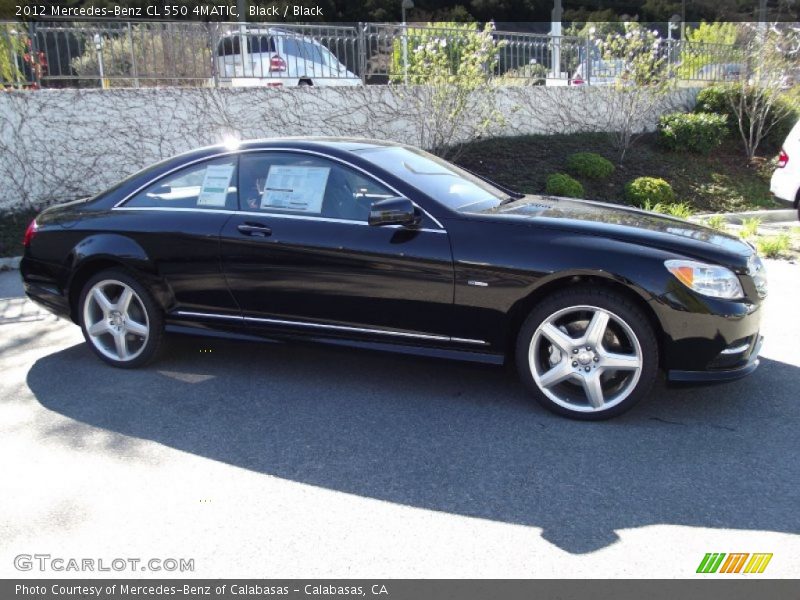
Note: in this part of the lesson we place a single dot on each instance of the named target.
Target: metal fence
(139, 54)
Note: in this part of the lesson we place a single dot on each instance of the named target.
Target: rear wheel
(121, 322)
(587, 353)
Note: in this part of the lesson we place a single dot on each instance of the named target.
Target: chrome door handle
(255, 229)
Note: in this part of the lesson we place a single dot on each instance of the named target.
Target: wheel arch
(108, 251)
(561, 281)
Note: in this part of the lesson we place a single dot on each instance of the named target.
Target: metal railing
(139, 54)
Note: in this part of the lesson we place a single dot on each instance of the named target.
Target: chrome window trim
(422, 336)
(268, 216)
(237, 153)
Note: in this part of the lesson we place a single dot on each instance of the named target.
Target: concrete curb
(9, 264)
(766, 216)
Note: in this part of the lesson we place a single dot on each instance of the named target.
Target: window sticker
(299, 189)
(214, 189)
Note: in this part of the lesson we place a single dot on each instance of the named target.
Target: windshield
(446, 183)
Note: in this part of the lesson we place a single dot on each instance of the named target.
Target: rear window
(302, 49)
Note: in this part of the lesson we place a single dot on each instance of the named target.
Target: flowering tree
(449, 68)
(756, 101)
(644, 76)
(12, 47)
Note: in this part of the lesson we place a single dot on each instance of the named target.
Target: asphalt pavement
(287, 460)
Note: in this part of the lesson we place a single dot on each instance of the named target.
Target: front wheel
(120, 321)
(587, 353)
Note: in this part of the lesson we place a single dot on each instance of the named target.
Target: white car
(602, 72)
(277, 57)
(785, 182)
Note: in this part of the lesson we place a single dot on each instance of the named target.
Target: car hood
(626, 224)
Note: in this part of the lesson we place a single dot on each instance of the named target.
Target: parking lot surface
(283, 460)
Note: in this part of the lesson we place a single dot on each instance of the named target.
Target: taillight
(276, 63)
(783, 158)
(577, 81)
(29, 233)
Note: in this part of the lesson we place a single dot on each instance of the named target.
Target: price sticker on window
(214, 190)
(299, 189)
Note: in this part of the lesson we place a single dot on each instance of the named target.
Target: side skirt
(450, 354)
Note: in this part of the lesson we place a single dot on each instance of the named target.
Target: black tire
(144, 348)
(620, 310)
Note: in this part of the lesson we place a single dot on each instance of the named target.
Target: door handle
(254, 229)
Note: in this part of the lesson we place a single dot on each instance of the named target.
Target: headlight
(709, 280)
(758, 271)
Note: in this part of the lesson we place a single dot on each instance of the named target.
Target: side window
(228, 46)
(298, 184)
(211, 184)
(261, 44)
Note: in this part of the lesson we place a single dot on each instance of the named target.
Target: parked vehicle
(785, 183)
(384, 246)
(276, 57)
(601, 72)
(721, 72)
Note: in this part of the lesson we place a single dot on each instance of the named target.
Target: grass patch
(12, 228)
(773, 246)
(723, 181)
(750, 227)
(717, 222)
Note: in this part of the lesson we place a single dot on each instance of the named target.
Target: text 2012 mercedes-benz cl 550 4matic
(385, 246)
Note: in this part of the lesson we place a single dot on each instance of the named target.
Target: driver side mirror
(393, 211)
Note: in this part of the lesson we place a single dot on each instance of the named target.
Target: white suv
(785, 182)
(276, 57)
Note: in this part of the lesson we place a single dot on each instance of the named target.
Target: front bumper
(747, 363)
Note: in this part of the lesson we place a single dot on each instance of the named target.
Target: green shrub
(559, 184)
(714, 99)
(648, 191)
(693, 132)
(590, 165)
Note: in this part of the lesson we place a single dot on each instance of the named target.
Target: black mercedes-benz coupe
(384, 246)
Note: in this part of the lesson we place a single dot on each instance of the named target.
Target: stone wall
(63, 144)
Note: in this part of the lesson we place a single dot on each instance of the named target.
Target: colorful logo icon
(737, 562)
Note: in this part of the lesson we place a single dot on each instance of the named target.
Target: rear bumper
(785, 183)
(48, 298)
(40, 284)
(748, 363)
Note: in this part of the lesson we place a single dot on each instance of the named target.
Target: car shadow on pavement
(453, 437)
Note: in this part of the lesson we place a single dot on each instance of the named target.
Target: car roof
(333, 145)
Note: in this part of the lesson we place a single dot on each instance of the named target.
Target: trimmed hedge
(590, 165)
(692, 132)
(560, 184)
(649, 190)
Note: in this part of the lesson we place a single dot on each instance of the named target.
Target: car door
(176, 220)
(300, 254)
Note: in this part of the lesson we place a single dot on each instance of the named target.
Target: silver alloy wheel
(116, 320)
(585, 358)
